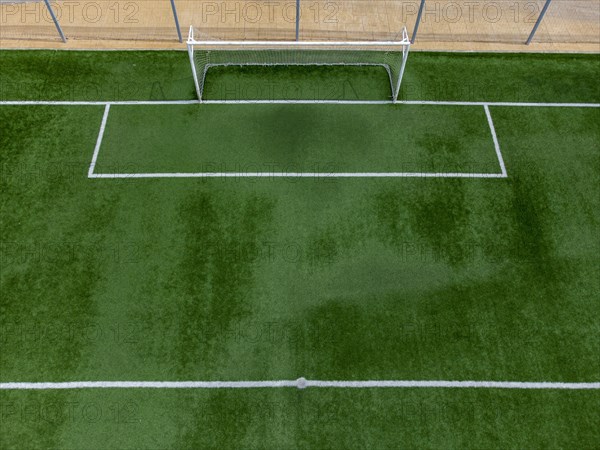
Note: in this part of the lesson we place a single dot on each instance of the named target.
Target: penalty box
(190, 140)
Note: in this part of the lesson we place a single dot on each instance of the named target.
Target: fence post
(537, 24)
(176, 20)
(414, 35)
(297, 20)
(56, 24)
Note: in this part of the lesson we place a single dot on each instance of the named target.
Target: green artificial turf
(89, 76)
(166, 75)
(265, 279)
(297, 138)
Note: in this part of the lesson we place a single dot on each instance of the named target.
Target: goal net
(205, 54)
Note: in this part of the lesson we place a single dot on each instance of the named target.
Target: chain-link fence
(499, 21)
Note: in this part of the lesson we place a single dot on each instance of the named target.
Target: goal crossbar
(299, 43)
(392, 55)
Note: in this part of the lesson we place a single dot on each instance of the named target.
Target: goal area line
(292, 174)
(300, 383)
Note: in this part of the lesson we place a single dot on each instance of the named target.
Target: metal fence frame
(297, 20)
(529, 39)
(64, 38)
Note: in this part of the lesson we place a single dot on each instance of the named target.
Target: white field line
(322, 102)
(99, 141)
(298, 175)
(96, 103)
(503, 173)
(309, 102)
(495, 138)
(399, 102)
(515, 104)
(300, 383)
(297, 102)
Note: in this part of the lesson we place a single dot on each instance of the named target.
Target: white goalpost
(391, 55)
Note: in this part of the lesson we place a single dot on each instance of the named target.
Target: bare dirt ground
(500, 25)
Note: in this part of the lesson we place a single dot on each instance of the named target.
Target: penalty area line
(297, 175)
(300, 383)
(103, 123)
(495, 139)
(99, 141)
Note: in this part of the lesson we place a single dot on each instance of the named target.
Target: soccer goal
(391, 55)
